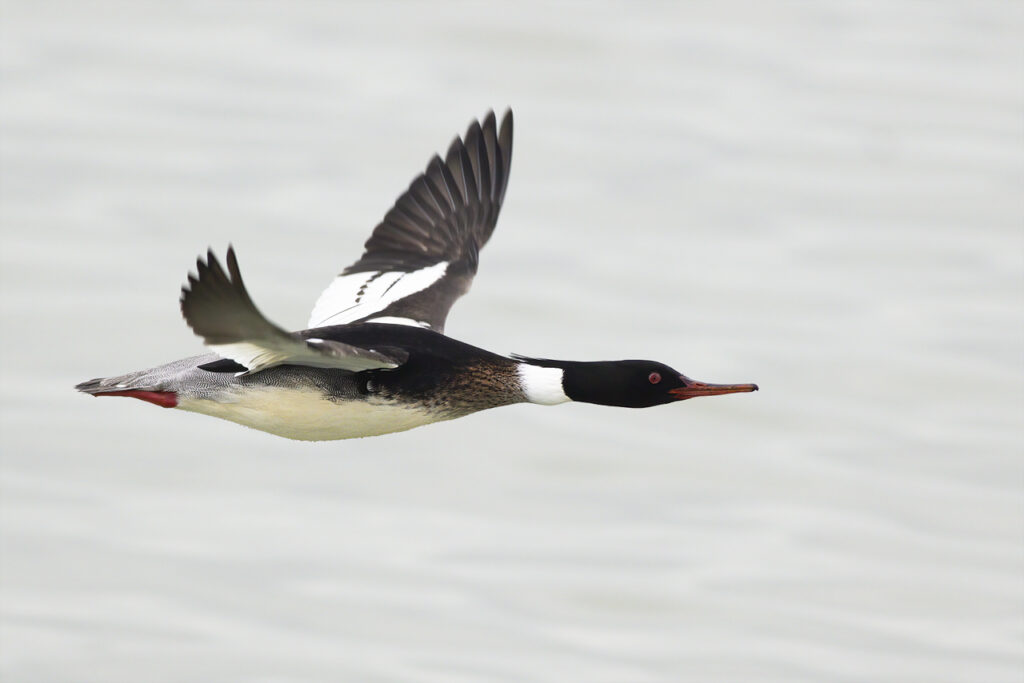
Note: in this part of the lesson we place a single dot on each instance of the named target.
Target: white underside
(308, 416)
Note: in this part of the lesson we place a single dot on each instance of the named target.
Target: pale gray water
(824, 200)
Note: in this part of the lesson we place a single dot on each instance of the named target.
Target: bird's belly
(307, 415)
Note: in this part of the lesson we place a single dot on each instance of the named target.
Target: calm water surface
(825, 201)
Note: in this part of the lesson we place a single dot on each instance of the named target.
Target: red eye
(654, 378)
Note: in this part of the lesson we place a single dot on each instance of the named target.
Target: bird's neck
(549, 382)
(543, 385)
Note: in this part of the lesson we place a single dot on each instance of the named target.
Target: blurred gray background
(824, 198)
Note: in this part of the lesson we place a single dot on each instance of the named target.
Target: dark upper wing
(423, 255)
(217, 307)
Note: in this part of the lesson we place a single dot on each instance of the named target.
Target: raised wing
(218, 308)
(424, 254)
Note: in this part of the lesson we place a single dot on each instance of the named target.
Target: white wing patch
(394, 320)
(358, 295)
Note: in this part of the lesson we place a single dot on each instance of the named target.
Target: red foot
(164, 399)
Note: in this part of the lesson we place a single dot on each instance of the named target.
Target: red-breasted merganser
(374, 358)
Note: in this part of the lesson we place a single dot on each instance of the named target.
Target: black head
(633, 383)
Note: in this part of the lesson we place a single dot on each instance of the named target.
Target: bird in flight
(374, 358)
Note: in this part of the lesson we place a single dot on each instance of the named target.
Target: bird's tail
(143, 385)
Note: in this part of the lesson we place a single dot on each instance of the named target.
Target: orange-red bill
(692, 389)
